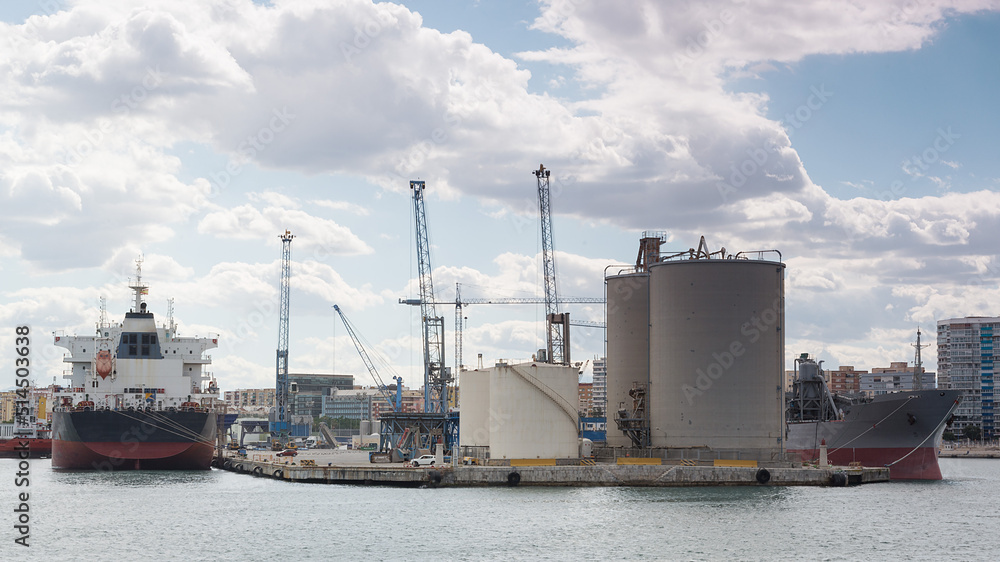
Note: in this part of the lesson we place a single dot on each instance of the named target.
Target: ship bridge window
(138, 344)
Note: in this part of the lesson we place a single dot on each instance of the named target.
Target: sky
(856, 138)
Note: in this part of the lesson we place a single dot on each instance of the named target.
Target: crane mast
(436, 377)
(283, 416)
(557, 324)
(459, 321)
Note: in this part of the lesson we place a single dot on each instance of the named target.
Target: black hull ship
(138, 399)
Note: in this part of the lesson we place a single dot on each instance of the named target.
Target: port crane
(281, 426)
(557, 323)
(436, 376)
(398, 439)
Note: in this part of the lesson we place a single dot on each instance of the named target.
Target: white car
(423, 460)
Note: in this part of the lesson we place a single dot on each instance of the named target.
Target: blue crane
(281, 427)
(436, 377)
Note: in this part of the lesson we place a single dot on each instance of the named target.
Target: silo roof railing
(759, 253)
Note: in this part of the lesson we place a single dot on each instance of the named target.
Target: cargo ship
(899, 430)
(139, 397)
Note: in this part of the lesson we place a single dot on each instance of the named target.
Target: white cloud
(342, 206)
(235, 372)
(313, 234)
(273, 199)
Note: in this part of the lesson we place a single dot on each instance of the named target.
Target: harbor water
(220, 515)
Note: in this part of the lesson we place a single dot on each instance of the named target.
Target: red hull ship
(899, 430)
(139, 398)
(159, 440)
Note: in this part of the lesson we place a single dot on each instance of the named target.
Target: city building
(965, 363)
(7, 406)
(412, 402)
(306, 391)
(586, 398)
(250, 399)
(600, 386)
(41, 400)
(354, 404)
(845, 379)
(789, 379)
(898, 376)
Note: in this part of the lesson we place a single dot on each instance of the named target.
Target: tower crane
(460, 303)
(436, 377)
(281, 427)
(557, 324)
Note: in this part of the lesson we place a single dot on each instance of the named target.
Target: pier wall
(580, 476)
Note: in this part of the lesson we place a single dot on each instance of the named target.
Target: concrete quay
(352, 470)
(970, 453)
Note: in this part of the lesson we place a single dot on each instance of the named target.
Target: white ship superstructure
(136, 364)
(139, 396)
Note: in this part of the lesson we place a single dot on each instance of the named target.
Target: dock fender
(763, 476)
(514, 478)
(838, 479)
(227, 465)
(257, 471)
(277, 473)
(433, 478)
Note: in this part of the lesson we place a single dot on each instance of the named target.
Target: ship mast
(918, 366)
(103, 321)
(138, 287)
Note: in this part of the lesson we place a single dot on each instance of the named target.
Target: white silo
(533, 411)
(474, 408)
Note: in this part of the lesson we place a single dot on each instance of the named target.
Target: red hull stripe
(129, 456)
(922, 464)
(10, 448)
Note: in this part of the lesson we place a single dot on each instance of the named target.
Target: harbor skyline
(858, 143)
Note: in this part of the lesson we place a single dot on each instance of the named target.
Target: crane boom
(548, 254)
(367, 360)
(459, 303)
(436, 377)
(557, 324)
(508, 300)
